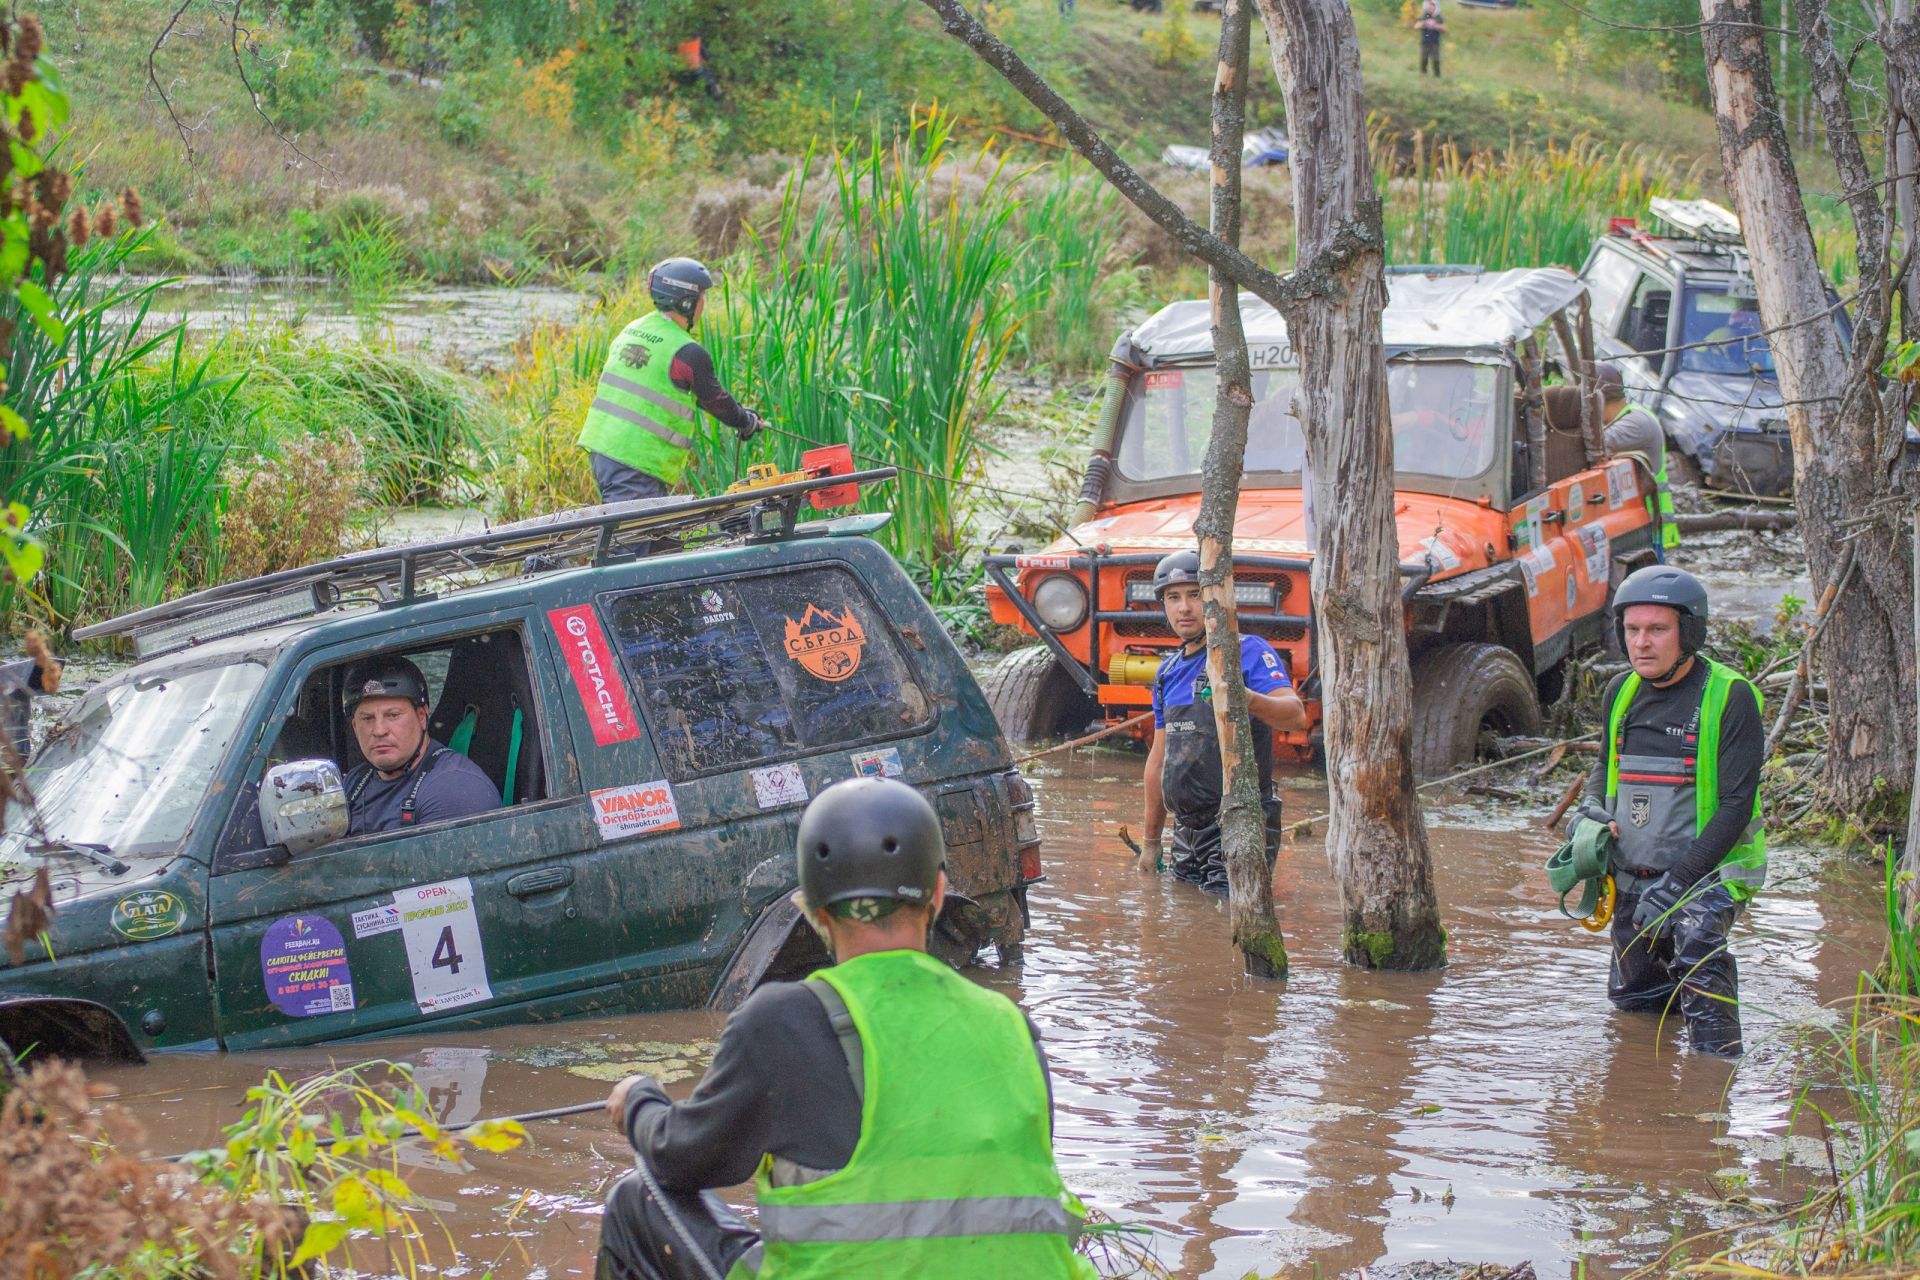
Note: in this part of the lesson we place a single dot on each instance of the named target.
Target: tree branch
(1270, 287)
(153, 78)
(240, 65)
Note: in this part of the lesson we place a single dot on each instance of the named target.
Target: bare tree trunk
(1243, 836)
(1844, 445)
(1375, 837)
(1332, 301)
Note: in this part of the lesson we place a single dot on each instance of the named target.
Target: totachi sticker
(596, 674)
(444, 953)
(884, 763)
(779, 785)
(635, 809)
(303, 960)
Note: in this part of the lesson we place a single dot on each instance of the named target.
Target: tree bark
(1243, 836)
(1844, 444)
(1332, 300)
(1376, 837)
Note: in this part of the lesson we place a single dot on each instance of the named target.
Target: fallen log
(1753, 521)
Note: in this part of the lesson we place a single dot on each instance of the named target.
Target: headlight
(1060, 601)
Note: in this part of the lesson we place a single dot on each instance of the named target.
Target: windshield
(1730, 326)
(131, 763)
(1445, 420)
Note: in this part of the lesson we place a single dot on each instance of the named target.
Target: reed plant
(1526, 206)
(881, 321)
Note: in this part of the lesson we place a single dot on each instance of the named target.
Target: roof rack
(589, 535)
(1701, 220)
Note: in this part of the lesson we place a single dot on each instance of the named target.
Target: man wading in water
(895, 1118)
(1678, 783)
(1183, 767)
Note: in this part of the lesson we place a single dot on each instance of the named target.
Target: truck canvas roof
(1450, 311)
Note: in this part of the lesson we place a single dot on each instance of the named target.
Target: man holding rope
(1183, 766)
(895, 1118)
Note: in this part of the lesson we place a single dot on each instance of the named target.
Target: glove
(1662, 894)
(1156, 847)
(754, 423)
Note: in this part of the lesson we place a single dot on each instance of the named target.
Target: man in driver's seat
(408, 778)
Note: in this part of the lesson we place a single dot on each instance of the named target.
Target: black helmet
(677, 283)
(1179, 568)
(1675, 588)
(869, 838)
(390, 677)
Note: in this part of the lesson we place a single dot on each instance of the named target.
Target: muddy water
(1494, 1111)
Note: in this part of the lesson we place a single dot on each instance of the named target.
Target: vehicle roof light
(227, 620)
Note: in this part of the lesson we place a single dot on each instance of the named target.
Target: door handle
(543, 880)
(1548, 517)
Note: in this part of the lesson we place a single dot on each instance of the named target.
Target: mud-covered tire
(963, 931)
(1462, 691)
(1033, 697)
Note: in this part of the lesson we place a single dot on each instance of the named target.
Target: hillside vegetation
(505, 139)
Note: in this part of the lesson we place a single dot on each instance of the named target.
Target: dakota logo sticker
(304, 961)
(635, 810)
(149, 914)
(602, 692)
(826, 643)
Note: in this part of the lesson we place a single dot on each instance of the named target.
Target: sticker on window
(779, 785)
(713, 608)
(635, 810)
(376, 920)
(442, 933)
(149, 914)
(303, 960)
(595, 674)
(884, 763)
(826, 644)
(1164, 380)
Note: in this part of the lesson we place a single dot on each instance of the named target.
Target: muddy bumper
(1756, 462)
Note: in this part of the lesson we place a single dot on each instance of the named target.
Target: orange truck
(1514, 524)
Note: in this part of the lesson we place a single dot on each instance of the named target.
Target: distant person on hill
(645, 417)
(1431, 27)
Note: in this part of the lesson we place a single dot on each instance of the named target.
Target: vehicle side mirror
(303, 805)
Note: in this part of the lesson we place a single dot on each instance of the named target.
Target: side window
(1609, 281)
(742, 670)
(481, 704)
(1644, 326)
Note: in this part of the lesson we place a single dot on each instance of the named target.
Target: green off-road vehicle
(657, 691)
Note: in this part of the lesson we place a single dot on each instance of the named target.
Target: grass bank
(549, 146)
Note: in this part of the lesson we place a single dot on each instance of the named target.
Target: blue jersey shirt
(1180, 674)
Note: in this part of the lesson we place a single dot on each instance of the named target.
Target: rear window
(738, 671)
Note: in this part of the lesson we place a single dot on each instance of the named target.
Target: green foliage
(1530, 206)
(461, 118)
(335, 1145)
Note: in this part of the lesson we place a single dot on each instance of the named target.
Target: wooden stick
(1107, 732)
(1566, 802)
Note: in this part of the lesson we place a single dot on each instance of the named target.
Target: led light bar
(1259, 595)
(227, 620)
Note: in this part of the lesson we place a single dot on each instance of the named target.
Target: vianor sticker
(635, 809)
(149, 914)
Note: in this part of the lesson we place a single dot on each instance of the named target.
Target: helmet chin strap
(1668, 674)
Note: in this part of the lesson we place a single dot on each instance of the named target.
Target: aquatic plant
(1524, 206)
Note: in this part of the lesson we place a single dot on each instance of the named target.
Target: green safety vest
(639, 417)
(1744, 869)
(953, 1176)
(1660, 505)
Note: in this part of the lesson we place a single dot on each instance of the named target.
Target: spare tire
(1462, 691)
(1033, 697)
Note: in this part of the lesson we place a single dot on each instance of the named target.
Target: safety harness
(413, 792)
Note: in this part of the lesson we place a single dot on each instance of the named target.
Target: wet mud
(1495, 1111)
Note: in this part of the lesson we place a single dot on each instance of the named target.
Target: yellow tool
(1603, 911)
(764, 475)
(1132, 668)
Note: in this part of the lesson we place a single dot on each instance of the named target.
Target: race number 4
(444, 952)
